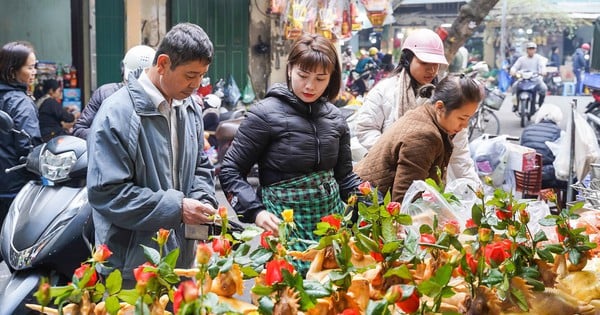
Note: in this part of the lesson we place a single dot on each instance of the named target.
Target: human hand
(267, 221)
(196, 212)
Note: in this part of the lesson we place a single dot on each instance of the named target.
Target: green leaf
(368, 243)
(262, 290)
(545, 254)
(151, 254)
(249, 272)
(443, 274)
(520, 299)
(477, 213)
(316, 289)
(540, 236)
(171, 258)
(114, 282)
(377, 308)
(128, 296)
(112, 304)
(554, 248)
(548, 221)
(429, 288)
(404, 219)
(574, 256)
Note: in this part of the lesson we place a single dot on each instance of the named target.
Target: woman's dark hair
(183, 43)
(406, 58)
(313, 51)
(50, 85)
(13, 56)
(454, 91)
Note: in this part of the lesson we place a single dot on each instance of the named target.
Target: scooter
(553, 80)
(48, 230)
(526, 95)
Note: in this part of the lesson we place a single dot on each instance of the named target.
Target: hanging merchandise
(328, 23)
(300, 13)
(356, 25)
(376, 12)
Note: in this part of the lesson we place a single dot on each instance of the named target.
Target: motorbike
(360, 83)
(526, 96)
(48, 230)
(553, 80)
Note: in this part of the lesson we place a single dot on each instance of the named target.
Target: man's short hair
(185, 42)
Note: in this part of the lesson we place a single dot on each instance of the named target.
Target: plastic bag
(430, 204)
(587, 150)
(232, 91)
(248, 95)
(490, 157)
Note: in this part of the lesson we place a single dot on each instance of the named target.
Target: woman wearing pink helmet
(391, 98)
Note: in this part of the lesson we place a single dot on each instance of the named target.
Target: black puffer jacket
(287, 138)
(21, 108)
(534, 136)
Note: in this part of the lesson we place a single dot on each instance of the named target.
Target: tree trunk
(471, 15)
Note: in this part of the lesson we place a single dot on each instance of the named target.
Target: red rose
(561, 237)
(263, 239)
(427, 239)
(187, 292)
(333, 220)
(503, 214)
(471, 262)
(365, 188)
(452, 227)
(470, 224)
(221, 245)
(410, 304)
(393, 208)
(350, 311)
(203, 253)
(377, 256)
(363, 223)
(80, 272)
(496, 253)
(102, 253)
(274, 271)
(142, 276)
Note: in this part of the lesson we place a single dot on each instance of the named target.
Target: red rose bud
(393, 294)
(161, 236)
(503, 214)
(452, 228)
(363, 223)
(203, 253)
(410, 304)
(80, 272)
(524, 216)
(274, 271)
(496, 253)
(365, 188)
(221, 245)
(512, 231)
(561, 237)
(393, 208)
(142, 276)
(471, 262)
(470, 224)
(426, 239)
(485, 235)
(101, 254)
(479, 193)
(377, 256)
(222, 212)
(352, 200)
(264, 242)
(333, 220)
(186, 293)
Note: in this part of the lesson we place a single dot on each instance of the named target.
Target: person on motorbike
(535, 63)
(137, 58)
(17, 72)
(146, 165)
(391, 98)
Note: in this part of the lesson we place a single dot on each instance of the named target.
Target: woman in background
(55, 119)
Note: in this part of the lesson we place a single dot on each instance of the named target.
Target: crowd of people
(147, 168)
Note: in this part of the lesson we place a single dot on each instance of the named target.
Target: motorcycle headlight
(527, 75)
(56, 167)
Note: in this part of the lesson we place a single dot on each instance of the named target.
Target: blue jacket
(128, 181)
(16, 103)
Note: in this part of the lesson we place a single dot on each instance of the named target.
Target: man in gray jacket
(146, 166)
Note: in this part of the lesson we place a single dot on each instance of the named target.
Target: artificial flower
(288, 215)
(80, 272)
(101, 254)
(452, 228)
(161, 236)
(275, 270)
(471, 262)
(187, 292)
(410, 304)
(203, 253)
(365, 188)
(393, 208)
(264, 239)
(503, 214)
(470, 224)
(333, 220)
(496, 253)
(221, 245)
(142, 276)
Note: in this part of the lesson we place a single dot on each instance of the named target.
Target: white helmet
(137, 57)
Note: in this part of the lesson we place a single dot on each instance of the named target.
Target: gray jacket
(128, 181)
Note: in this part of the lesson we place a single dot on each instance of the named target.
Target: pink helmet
(585, 46)
(426, 45)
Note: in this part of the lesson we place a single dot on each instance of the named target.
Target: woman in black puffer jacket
(301, 143)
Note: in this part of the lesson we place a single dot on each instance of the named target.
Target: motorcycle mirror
(6, 122)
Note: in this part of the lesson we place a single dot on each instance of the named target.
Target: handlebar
(14, 168)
